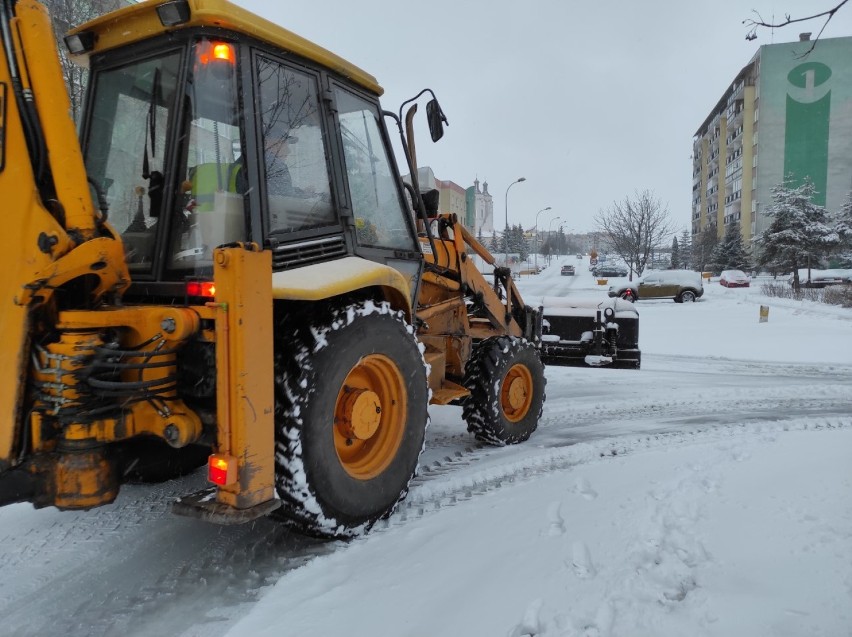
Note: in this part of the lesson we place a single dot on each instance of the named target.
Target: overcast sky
(589, 101)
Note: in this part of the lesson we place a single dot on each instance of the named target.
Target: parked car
(567, 270)
(680, 285)
(610, 269)
(579, 256)
(734, 279)
(822, 278)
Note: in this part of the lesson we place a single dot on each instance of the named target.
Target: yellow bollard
(764, 313)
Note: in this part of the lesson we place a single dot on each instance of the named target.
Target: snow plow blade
(590, 332)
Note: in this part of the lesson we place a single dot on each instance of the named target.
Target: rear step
(203, 505)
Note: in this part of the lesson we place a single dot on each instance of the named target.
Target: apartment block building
(452, 200)
(787, 115)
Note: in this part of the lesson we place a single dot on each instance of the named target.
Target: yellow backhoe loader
(225, 267)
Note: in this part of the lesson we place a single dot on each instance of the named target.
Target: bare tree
(635, 227)
(754, 24)
(65, 15)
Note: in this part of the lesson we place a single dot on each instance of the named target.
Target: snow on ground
(742, 528)
(707, 493)
(712, 537)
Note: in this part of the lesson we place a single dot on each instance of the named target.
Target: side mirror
(436, 119)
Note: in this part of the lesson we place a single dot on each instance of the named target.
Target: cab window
(210, 207)
(126, 146)
(381, 217)
(294, 146)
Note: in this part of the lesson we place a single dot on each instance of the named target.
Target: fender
(335, 278)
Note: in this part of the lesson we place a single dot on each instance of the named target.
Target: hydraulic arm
(49, 208)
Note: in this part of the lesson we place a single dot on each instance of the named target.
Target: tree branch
(753, 24)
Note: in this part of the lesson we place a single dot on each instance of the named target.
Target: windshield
(131, 113)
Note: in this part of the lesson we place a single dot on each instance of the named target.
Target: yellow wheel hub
(362, 412)
(370, 416)
(516, 393)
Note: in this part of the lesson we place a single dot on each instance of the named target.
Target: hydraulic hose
(26, 106)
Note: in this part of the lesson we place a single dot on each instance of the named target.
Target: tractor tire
(505, 377)
(351, 400)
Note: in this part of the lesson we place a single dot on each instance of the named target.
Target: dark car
(680, 285)
(567, 270)
(609, 269)
(822, 278)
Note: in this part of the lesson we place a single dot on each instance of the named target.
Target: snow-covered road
(712, 377)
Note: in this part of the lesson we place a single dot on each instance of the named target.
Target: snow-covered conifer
(685, 249)
(800, 233)
(675, 261)
(730, 253)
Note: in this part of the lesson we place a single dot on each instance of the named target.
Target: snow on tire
(505, 377)
(351, 401)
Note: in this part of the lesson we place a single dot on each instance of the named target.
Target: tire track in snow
(133, 569)
(470, 480)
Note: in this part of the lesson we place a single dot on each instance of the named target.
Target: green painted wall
(806, 128)
(805, 119)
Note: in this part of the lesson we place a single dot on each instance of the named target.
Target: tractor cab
(202, 136)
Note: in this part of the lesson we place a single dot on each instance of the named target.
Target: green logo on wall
(807, 127)
(809, 75)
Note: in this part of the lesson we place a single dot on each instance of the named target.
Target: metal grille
(295, 255)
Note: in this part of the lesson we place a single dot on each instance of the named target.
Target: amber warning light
(207, 289)
(223, 51)
(222, 469)
(218, 52)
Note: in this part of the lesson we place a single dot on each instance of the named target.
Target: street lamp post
(550, 225)
(537, 242)
(506, 202)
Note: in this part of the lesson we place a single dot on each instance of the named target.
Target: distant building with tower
(474, 206)
(480, 209)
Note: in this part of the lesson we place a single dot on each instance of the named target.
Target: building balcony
(734, 155)
(733, 217)
(734, 171)
(738, 131)
(735, 104)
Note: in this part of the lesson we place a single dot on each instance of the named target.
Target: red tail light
(222, 469)
(206, 289)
